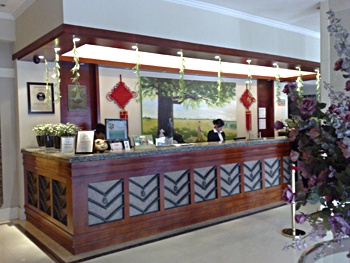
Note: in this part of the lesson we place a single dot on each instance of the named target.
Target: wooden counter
(86, 202)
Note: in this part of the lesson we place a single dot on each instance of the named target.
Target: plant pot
(40, 139)
(57, 142)
(49, 141)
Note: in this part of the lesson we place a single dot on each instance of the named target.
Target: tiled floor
(251, 239)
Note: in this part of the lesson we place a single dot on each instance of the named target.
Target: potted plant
(65, 130)
(40, 134)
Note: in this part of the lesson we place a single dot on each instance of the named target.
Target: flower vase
(49, 141)
(40, 139)
(57, 142)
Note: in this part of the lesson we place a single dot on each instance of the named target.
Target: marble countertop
(52, 153)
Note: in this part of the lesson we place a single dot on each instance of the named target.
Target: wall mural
(186, 112)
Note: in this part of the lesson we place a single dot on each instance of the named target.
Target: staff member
(216, 134)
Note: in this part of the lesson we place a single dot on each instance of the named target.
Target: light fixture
(180, 52)
(248, 61)
(76, 39)
(41, 57)
(217, 57)
(57, 49)
(134, 47)
(113, 55)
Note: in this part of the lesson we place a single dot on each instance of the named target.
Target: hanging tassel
(248, 120)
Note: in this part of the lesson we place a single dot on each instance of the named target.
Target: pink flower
(292, 134)
(315, 132)
(347, 85)
(344, 148)
(307, 106)
(294, 155)
(300, 218)
(338, 64)
(346, 117)
(288, 195)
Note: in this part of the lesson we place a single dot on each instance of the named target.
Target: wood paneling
(266, 100)
(88, 118)
(78, 236)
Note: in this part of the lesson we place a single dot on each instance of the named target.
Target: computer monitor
(116, 129)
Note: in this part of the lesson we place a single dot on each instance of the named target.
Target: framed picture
(126, 145)
(77, 99)
(40, 98)
(85, 142)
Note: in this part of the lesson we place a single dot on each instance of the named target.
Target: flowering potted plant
(45, 133)
(64, 130)
(321, 151)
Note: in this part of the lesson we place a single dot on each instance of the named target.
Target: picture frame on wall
(37, 98)
(77, 98)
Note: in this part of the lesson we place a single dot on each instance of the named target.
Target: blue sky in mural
(227, 112)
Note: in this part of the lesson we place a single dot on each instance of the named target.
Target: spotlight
(36, 59)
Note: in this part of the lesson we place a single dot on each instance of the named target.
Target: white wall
(7, 32)
(8, 135)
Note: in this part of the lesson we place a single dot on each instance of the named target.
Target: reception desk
(86, 202)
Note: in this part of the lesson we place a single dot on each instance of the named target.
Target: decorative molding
(237, 14)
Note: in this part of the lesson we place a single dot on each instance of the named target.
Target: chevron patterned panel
(272, 172)
(205, 185)
(252, 176)
(144, 194)
(44, 195)
(32, 189)
(177, 189)
(230, 177)
(286, 169)
(105, 202)
(59, 201)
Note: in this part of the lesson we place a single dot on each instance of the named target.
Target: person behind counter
(217, 134)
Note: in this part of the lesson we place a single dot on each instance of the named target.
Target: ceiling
(298, 13)
(304, 16)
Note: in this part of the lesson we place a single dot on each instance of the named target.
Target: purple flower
(300, 218)
(347, 85)
(294, 155)
(338, 64)
(307, 106)
(318, 230)
(288, 195)
(312, 181)
(339, 224)
(288, 87)
(279, 125)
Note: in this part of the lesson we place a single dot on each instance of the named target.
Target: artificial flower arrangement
(321, 151)
(60, 129)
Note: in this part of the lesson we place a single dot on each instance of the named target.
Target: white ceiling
(299, 13)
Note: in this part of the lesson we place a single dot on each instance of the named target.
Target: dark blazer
(214, 136)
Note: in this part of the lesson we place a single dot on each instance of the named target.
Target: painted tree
(191, 95)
